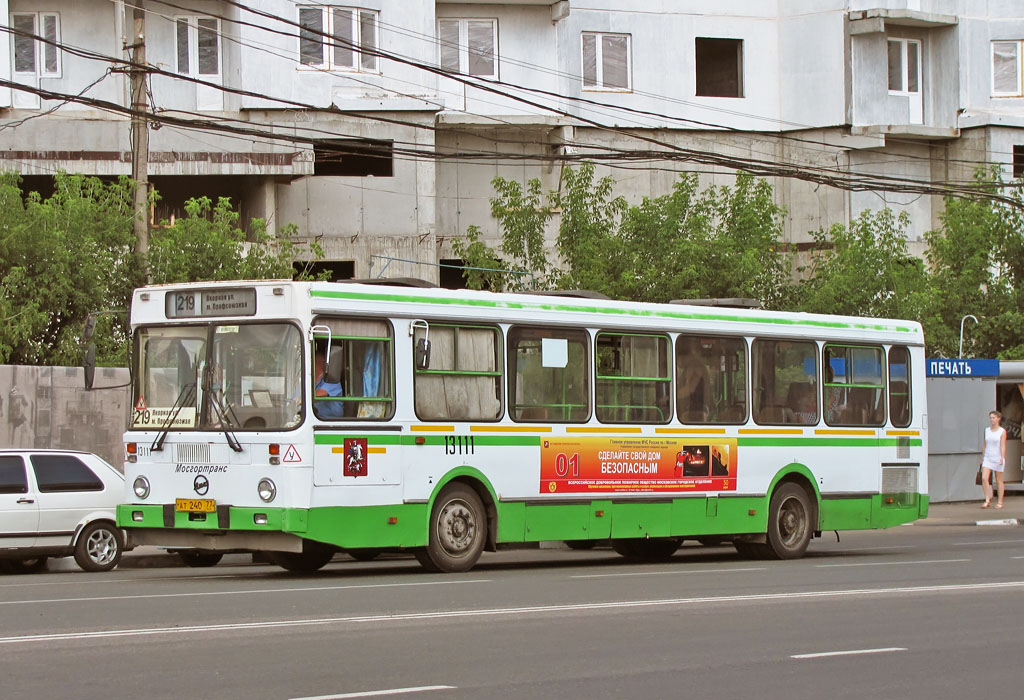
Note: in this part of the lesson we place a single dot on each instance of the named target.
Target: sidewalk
(971, 512)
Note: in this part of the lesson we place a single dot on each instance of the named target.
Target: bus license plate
(194, 505)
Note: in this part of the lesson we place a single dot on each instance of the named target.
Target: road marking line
(505, 612)
(375, 693)
(257, 590)
(108, 581)
(872, 549)
(890, 563)
(663, 573)
(978, 542)
(822, 654)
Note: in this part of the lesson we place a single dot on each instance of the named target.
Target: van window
(55, 473)
(12, 475)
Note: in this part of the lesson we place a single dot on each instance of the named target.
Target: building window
(197, 46)
(469, 46)
(904, 66)
(606, 61)
(1018, 162)
(354, 158)
(1006, 69)
(338, 37)
(719, 66)
(30, 55)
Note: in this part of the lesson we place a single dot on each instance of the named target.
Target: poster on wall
(637, 465)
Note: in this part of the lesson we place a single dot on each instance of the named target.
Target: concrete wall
(49, 407)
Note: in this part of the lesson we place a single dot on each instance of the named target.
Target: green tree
(977, 261)
(863, 269)
(62, 259)
(721, 241)
(207, 244)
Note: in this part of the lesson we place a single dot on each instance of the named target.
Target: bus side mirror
(422, 353)
(89, 365)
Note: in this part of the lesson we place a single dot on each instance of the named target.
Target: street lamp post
(960, 354)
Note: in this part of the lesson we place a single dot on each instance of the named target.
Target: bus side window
(899, 386)
(548, 375)
(361, 363)
(778, 365)
(463, 381)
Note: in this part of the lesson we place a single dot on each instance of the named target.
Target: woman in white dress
(994, 458)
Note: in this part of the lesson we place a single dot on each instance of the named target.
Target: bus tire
(99, 546)
(790, 522)
(199, 559)
(313, 556)
(458, 531)
(657, 549)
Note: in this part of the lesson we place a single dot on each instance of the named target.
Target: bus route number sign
(211, 302)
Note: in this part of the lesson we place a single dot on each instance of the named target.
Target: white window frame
(360, 61)
(40, 49)
(1019, 90)
(463, 45)
(600, 86)
(193, 48)
(904, 71)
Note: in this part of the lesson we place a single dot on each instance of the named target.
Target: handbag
(977, 477)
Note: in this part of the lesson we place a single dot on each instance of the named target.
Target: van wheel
(458, 531)
(99, 547)
(200, 559)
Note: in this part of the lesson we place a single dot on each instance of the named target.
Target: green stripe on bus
(478, 440)
(575, 308)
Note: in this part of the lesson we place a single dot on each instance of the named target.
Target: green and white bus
(463, 422)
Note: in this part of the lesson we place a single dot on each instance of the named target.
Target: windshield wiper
(188, 393)
(212, 395)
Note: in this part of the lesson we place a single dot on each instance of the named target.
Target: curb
(1004, 521)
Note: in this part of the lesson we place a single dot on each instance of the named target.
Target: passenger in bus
(327, 384)
(694, 389)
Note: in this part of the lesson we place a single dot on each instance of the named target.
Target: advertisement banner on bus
(637, 465)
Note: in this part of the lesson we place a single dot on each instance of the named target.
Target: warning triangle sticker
(292, 455)
(141, 405)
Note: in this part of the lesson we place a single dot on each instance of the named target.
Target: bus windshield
(218, 376)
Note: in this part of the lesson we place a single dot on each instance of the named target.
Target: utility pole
(140, 134)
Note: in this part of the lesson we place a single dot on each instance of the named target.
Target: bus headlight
(141, 487)
(267, 490)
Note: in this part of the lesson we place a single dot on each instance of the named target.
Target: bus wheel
(458, 531)
(657, 549)
(200, 558)
(789, 522)
(312, 557)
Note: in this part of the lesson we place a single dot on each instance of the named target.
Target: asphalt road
(914, 612)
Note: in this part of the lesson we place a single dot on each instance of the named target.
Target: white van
(58, 503)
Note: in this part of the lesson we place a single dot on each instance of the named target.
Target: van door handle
(25, 500)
